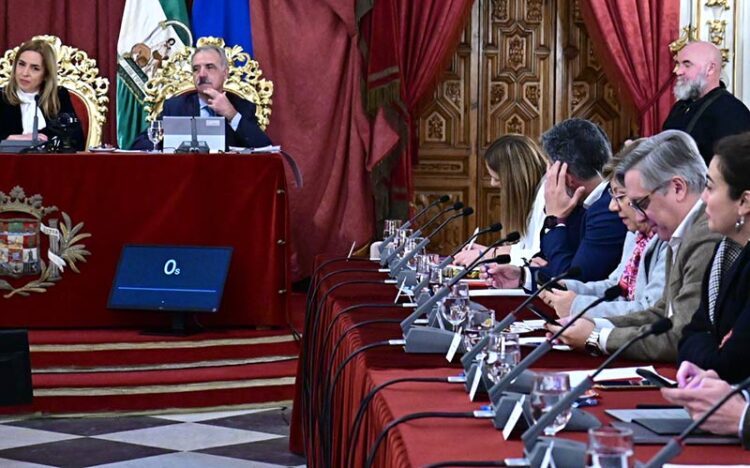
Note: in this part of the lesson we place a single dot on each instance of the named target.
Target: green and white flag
(150, 32)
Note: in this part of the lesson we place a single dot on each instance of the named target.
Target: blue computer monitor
(170, 278)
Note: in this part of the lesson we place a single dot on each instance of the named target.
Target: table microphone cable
(325, 414)
(422, 415)
(323, 379)
(364, 404)
(306, 350)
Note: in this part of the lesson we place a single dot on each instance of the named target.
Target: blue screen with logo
(156, 277)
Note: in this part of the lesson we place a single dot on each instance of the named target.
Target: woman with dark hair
(718, 337)
(34, 81)
(516, 167)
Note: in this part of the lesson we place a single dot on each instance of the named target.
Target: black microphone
(497, 227)
(674, 446)
(386, 260)
(456, 207)
(468, 357)
(35, 126)
(443, 291)
(532, 433)
(512, 237)
(547, 344)
(418, 248)
(424, 210)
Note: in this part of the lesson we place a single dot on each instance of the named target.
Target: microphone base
(200, 147)
(565, 453)
(522, 384)
(429, 340)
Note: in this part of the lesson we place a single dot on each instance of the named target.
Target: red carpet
(95, 371)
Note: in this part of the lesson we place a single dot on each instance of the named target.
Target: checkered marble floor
(250, 438)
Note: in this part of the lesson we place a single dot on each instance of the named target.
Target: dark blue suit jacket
(248, 132)
(591, 239)
(701, 339)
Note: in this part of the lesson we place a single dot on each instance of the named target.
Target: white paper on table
(526, 326)
(497, 292)
(620, 373)
(537, 340)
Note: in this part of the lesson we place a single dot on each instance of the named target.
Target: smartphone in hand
(655, 379)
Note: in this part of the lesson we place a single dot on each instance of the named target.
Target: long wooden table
(424, 441)
(216, 200)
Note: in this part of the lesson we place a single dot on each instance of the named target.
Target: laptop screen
(154, 277)
(179, 129)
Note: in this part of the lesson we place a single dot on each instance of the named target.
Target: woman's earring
(739, 223)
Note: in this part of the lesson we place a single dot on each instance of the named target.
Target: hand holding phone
(655, 379)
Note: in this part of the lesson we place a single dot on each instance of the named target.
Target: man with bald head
(704, 108)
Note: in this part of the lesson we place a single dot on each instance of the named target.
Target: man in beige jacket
(663, 179)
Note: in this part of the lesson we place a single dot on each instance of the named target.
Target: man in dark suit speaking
(210, 70)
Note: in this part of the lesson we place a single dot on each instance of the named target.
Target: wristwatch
(592, 344)
(552, 221)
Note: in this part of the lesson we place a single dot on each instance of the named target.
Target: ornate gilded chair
(80, 76)
(175, 77)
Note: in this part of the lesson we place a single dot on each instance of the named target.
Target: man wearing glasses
(663, 178)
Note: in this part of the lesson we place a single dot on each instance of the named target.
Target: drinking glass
(610, 447)
(548, 389)
(478, 325)
(390, 226)
(455, 309)
(502, 354)
(155, 133)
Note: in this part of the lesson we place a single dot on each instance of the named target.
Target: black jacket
(701, 339)
(725, 116)
(11, 124)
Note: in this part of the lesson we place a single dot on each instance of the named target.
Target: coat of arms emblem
(27, 234)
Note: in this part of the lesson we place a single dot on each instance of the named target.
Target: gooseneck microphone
(497, 227)
(547, 344)
(530, 436)
(424, 210)
(35, 126)
(467, 358)
(387, 260)
(443, 291)
(510, 238)
(674, 446)
(418, 248)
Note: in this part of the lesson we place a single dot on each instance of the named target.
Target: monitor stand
(179, 327)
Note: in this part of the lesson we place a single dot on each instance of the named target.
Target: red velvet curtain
(310, 51)
(408, 44)
(90, 25)
(632, 39)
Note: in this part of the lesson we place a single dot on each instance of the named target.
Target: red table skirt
(214, 200)
(424, 441)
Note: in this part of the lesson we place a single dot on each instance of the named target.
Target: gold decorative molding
(175, 77)
(689, 34)
(77, 73)
(718, 3)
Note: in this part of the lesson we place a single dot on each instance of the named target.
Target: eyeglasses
(617, 198)
(641, 205)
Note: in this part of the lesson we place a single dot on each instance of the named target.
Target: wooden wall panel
(521, 67)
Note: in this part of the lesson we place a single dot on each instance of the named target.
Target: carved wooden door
(521, 67)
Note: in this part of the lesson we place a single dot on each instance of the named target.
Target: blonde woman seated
(516, 166)
(640, 273)
(34, 80)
